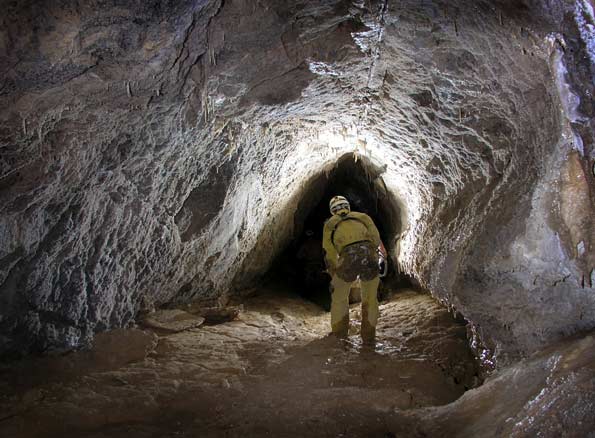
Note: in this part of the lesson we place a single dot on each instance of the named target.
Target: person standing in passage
(350, 241)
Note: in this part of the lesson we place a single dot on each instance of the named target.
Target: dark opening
(302, 264)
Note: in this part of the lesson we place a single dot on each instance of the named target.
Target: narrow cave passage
(165, 173)
(301, 264)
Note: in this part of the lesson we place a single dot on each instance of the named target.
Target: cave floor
(275, 372)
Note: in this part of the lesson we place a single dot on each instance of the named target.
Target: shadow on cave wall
(301, 264)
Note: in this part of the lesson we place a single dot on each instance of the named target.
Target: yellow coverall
(340, 232)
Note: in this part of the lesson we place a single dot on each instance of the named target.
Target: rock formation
(156, 152)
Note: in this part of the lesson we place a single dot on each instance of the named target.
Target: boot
(368, 332)
(341, 329)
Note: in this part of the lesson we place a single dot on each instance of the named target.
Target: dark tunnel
(301, 263)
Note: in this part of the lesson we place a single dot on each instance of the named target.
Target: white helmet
(339, 203)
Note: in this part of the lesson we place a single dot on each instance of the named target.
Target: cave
(162, 162)
(301, 263)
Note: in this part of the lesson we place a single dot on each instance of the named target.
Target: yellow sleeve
(331, 255)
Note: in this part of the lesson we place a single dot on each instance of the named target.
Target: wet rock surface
(173, 320)
(273, 372)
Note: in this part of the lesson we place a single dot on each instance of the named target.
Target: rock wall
(154, 152)
(530, 277)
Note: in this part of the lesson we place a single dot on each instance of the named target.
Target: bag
(358, 259)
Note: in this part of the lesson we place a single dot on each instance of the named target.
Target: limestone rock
(159, 152)
(173, 320)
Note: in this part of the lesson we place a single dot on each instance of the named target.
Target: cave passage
(157, 158)
(301, 264)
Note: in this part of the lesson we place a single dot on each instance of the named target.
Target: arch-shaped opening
(361, 182)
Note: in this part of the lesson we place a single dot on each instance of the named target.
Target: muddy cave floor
(274, 372)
